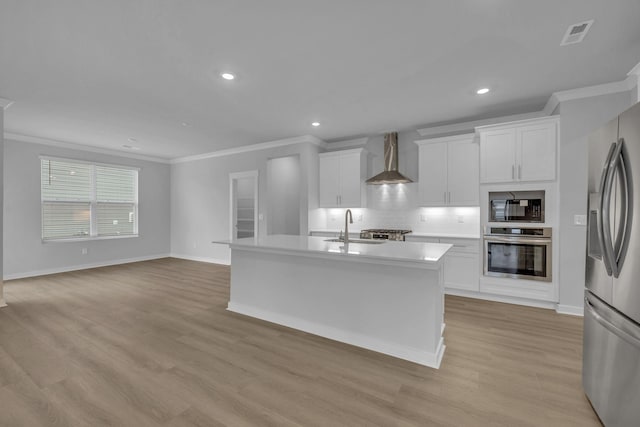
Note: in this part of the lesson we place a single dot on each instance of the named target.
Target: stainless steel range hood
(390, 175)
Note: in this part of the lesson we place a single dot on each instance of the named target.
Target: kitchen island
(387, 297)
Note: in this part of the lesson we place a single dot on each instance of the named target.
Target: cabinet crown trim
(538, 120)
(467, 137)
(342, 152)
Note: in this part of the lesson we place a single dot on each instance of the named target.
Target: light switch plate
(579, 220)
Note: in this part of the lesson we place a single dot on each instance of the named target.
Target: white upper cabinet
(519, 151)
(342, 179)
(432, 170)
(448, 169)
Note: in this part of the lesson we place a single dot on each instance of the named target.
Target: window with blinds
(83, 200)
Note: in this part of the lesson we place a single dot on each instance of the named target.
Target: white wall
(284, 209)
(2, 302)
(578, 118)
(200, 198)
(24, 252)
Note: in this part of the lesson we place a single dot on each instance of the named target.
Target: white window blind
(82, 200)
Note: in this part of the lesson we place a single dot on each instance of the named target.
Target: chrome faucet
(348, 218)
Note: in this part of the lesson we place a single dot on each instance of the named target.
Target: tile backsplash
(454, 220)
(395, 206)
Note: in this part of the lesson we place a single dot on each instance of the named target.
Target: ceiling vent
(576, 32)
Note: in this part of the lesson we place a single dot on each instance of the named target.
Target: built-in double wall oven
(515, 244)
(518, 252)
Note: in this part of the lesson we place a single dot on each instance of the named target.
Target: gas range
(384, 234)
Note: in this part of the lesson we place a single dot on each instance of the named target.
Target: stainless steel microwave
(516, 206)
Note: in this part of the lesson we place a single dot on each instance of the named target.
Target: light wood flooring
(151, 343)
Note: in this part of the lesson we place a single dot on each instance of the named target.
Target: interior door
(601, 145)
(626, 288)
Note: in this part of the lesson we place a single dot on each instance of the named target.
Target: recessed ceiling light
(482, 91)
(315, 124)
(131, 139)
(228, 76)
(130, 147)
(185, 124)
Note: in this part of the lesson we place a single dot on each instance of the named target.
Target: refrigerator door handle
(622, 237)
(603, 214)
(611, 326)
(609, 248)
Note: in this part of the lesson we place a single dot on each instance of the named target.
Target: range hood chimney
(390, 175)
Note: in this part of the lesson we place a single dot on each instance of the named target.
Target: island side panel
(392, 309)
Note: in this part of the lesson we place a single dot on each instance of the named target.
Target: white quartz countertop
(446, 235)
(390, 251)
(413, 233)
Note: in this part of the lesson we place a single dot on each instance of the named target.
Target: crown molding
(348, 143)
(462, 137)
(635, 70)
(635, 75)
(630, 82)
(81, 147)
(5, 103)
(467, 127)
(253, 147)
(590, 91)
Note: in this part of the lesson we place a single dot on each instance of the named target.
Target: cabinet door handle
(519, 172)
(513, 172)
(449, 194)
(444, 195)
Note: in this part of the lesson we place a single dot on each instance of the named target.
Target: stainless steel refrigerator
(611, 355)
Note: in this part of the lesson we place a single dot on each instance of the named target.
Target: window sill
(88, 239)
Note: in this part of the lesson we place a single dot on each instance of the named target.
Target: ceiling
(98, 72)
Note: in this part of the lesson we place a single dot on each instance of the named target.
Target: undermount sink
(365, 241)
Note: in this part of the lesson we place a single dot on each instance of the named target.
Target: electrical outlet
(423, 218)
(579, 220)
(460, 219)
(359, 219)
(85, 251)
(260, 217)
(195, 245)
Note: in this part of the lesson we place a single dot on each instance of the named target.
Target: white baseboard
(415, 355)
(201, 259)
(44, 272)
(570, 309)
(3, 303)
(501, 298)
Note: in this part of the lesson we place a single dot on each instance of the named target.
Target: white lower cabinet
(461, 263)
(461, 271)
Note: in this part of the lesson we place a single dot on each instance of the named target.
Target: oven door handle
(522, 240)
